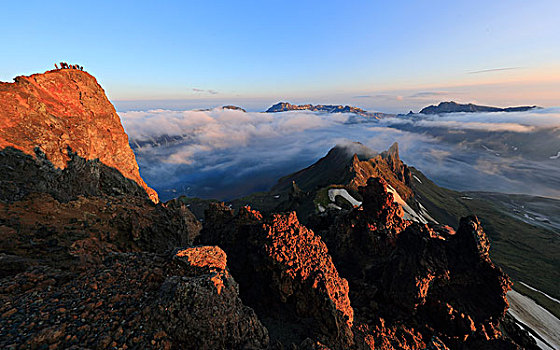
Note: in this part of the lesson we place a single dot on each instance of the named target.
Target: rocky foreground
(89, 260)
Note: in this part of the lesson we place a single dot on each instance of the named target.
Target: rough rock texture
(75, 210)
(42, 230)
(131, 300)
(285, 273)
(386, 165)
(352, 165)
(80, 177)
(203, 309)
(359, 237)
(413, 280)
(65, 108)
(88, 261)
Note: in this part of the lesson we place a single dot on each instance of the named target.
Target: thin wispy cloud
(382, 97)
(428, 94)
(397, 97)
(205, 91)
(491, 70)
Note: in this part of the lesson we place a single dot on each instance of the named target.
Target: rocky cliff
(62, 110)
(285, 273)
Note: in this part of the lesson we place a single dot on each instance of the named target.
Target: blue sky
(388, 55)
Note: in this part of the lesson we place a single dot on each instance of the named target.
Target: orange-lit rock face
(282, 265)
(212, 257)
(65, 108)
(304, 257)
(386, 165)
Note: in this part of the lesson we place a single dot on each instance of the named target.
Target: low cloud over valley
(223, 153)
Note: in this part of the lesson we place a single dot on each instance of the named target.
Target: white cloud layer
(224, 153)
(219, 128)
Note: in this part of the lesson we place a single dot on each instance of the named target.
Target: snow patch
(333, 192)
(556, 156)
(417, 179)
(425, 214)
(409, 213)
(537, 318)
(334, 206)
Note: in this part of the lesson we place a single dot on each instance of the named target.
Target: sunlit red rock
(65, 108)
(407, 277)
(282, 265)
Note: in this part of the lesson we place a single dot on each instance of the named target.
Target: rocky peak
(285, 274)
(352, 164)
(386, 165)
(472, 238)
(392, 153)
(377, 201)
(65, 109)
(406, 277)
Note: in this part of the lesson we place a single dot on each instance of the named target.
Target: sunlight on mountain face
(222, 153)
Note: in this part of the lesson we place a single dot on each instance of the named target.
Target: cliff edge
(66, 109)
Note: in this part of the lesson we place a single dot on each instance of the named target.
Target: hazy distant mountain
(453, 107)
(286, 106)
(235, 108)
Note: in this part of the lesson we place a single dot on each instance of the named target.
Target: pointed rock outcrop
(285, 273)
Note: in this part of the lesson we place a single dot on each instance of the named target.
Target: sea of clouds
(223, 154)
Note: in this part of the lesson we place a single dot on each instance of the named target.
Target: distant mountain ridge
(286, 106)
(234, 108)
(454, 107)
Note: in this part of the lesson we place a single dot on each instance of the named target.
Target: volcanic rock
(63, 109)
(285, 273)
(407, 278)
(131, 300)
(85, 230)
